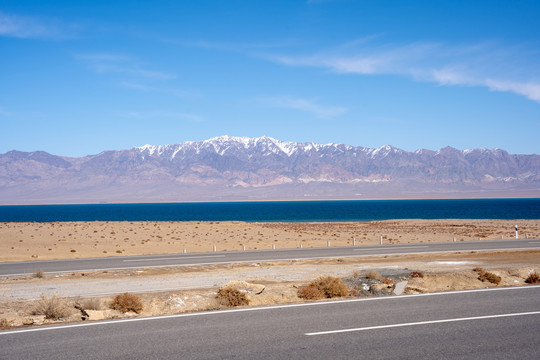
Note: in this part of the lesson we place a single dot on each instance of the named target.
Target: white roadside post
(380, 240)
(517, 236)
(353, 241)
(214, 248)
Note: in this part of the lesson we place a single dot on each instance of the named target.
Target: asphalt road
(146, 261)
(500, 323)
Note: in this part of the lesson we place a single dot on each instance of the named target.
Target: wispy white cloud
(498, 68)
(528, 89)
(287, 102)
(26, 27)
(113, 63)
(147, 115)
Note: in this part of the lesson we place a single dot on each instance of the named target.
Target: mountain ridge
(261, 168)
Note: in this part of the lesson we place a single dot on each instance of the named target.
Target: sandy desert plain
(193, 288)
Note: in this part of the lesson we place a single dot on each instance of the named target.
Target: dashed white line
(422, 323)
(397, 248)
(177, 258)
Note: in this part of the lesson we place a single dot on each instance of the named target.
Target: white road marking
(422, 323)
(534, 242)
(219, 312)
(176, 258)
(398, 248)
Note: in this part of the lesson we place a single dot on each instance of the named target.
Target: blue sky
(79, 77)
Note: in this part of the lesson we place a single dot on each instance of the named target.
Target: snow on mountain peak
(265, 145)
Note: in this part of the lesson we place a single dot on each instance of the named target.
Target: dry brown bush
(387, 281)
(4, 323)
(53, 307)
(479, 270)
(416, 274)
(491, 277)
(374, 275)
(127, 302)
(39, 274)
(330, 287)
(533, 278)
(310, 292)
(231, 296)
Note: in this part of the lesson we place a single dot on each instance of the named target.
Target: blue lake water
(286, 211)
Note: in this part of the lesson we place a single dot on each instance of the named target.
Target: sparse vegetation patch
(310, 292)
(373, 274)
(127, 302)
(328, 287)
(533, 278)
(91, 304)
(487, 276)
(231, 296)
(53, 307)
(4, 324)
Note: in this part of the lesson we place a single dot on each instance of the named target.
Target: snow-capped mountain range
(240, 168)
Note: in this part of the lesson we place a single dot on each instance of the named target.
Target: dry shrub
(310, 292)
(533, 278)
(4, 323)
(39, 274)
(479, 270)
(387, 281)
(330, 287)
(91, 304)
(53, 307)
(127, 302)
(231, 296)
(374, 275)
(416, 274)
(491, 277)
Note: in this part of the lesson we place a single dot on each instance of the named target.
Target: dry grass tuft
(127, 302)
(310, 292)
(39, 274)
(491, 277)
(479, 270)
(330, 287)
(4, 323)
(91, 304)
(484, 276)
(416, 274)
(53, 307)
(533, 278)
(387, 281)
(373, 275)
(231, 296)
